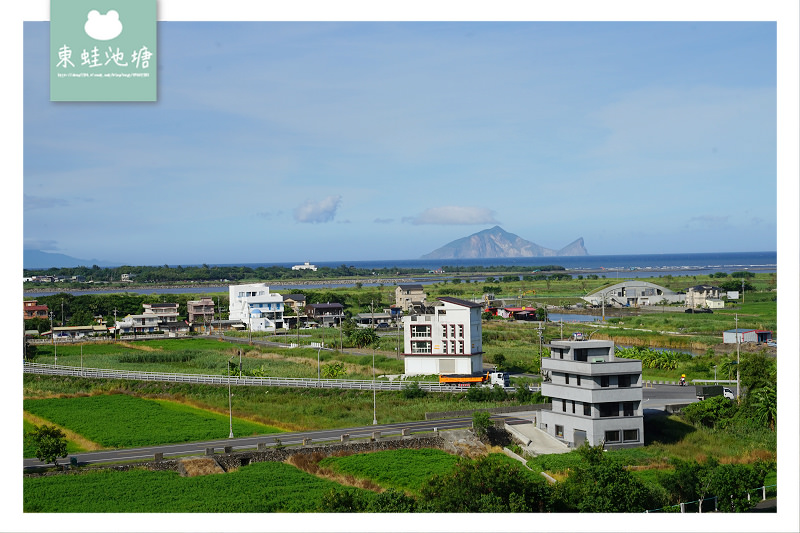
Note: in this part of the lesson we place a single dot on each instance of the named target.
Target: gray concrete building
(596, 397)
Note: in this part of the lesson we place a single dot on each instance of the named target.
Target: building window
(609, 409)
(624, 380)
(604, 381)
(578, 379)
(560, 431)
(573, 406)
(612, 436)
(566, 379)
(460, 346)
(630, 435)
(587, 409)
(581, 354)
(444, 330)
(461, 331)
(627, 408)
(564, 405)
(420, 347)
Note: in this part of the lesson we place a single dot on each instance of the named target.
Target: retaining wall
(233, 460)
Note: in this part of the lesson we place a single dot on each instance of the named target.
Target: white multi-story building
(596, 397)
(256, 307)
(446, 340)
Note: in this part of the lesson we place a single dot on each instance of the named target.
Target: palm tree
(728, 367)
(765, 406)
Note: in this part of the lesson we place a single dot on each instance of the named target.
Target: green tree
(711, 412)
(682, 483)
(601, 485)
(49, 443)
(730, 483)
(363, 337)
(490, 484)
(335, 370)
(757, 370)
(764, 403)
(481, 423)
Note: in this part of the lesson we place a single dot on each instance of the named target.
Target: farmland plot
(120, 420)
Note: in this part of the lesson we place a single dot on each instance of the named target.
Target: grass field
(198, 355)
(404, 470)
(285, 408)
(121, 421)
(256, 488)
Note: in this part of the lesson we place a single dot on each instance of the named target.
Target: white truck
(709, 391)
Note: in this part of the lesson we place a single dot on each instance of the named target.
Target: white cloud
(32, 202)
(454, 215)
(317, 212)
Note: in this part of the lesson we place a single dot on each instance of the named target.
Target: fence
(213, 379)
(700, 506)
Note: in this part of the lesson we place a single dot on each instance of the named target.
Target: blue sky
(328, 141)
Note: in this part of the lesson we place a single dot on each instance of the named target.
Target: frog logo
(103, 27)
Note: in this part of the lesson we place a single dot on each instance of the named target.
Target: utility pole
(230, 409)
(736, 322)
(374, 397)
(115, 323)
(53, 339)
(540, 347)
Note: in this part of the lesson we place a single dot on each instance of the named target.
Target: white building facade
(596, 397)
(256, 307)
(446, 340)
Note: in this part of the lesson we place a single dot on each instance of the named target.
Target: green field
(122, 421)
(404, 470)
(199, 355)
(281, 407)
(257, 488)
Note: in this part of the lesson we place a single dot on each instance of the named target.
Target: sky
(327, 141)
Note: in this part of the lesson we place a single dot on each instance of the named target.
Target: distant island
(498, 243)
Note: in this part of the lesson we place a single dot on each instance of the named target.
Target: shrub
(712, 412)
(413, 390)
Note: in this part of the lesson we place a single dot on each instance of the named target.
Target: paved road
(245, 443)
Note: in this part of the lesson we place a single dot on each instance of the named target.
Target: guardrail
(697, 506)
(214, 379)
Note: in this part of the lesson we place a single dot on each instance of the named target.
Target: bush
(712, 412)
(413, 390)
(490, 484)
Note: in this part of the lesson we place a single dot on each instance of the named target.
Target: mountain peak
(498, 243)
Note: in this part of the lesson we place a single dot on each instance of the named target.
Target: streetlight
(53, 340)
(374, 397)
(736, 322)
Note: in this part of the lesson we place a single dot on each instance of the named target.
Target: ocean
(610, 266)
(696, 263)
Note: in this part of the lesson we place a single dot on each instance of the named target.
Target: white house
(305, 266)
(144, 323)
(704, 296)
(596, 397)
(256, 307)
(445, 340)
